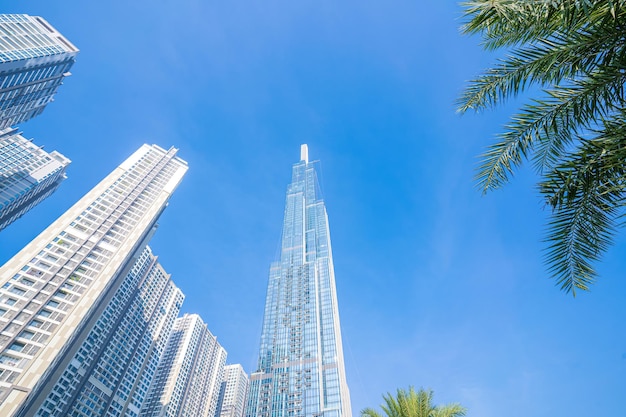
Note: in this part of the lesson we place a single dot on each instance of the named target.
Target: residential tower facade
(34, 60)
(53, 291)
(233, 392)
(187, 382)
(112, 371)
(28, 175)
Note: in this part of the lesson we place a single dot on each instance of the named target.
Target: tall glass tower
(301, 370)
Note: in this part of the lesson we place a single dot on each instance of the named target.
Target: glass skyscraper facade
(34, 60)
(54, 290)
(28, 174)
(301, 370)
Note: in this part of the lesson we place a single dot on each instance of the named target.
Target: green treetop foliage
(413, 403)
(574, 132)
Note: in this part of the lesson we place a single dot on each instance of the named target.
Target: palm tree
(414, 404)
(574, 51)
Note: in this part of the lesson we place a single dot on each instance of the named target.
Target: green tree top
(413, 403)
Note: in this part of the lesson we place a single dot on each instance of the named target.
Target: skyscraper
(28, 175)
(301, 370)
(117, 361)
(34, 60)
(53, 290)
(187, 382)
(233, 392)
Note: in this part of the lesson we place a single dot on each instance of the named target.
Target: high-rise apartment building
(34, 60)
(117, 361)
(301, 370)
(233, 392)
(187, 382)
(28, 175)
(53, 291)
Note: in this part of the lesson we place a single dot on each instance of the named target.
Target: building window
(17, 346)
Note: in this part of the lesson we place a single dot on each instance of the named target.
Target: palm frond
(587, 194)
(505, 23)
(392, 406)
(450, 410)
(575, 52)
(553, 122)
(413, 403)
(546, 62)
(370, 412)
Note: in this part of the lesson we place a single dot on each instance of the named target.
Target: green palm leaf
(587, 195)
(575, 52)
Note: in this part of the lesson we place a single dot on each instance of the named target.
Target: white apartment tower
(187, 382)
(233, 393)
(34, 60)
(117, 361)
(54, 290)
(28, 174)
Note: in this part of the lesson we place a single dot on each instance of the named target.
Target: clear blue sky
(438, 286)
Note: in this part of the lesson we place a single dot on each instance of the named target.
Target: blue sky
(438, 286)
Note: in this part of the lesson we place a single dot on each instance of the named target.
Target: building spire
(304, 153)
(301, 369)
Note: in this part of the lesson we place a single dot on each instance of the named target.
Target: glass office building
(54, 290)
(28, 175)
(34, 60)
(301, 369)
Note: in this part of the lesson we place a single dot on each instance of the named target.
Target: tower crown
(304, 153)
